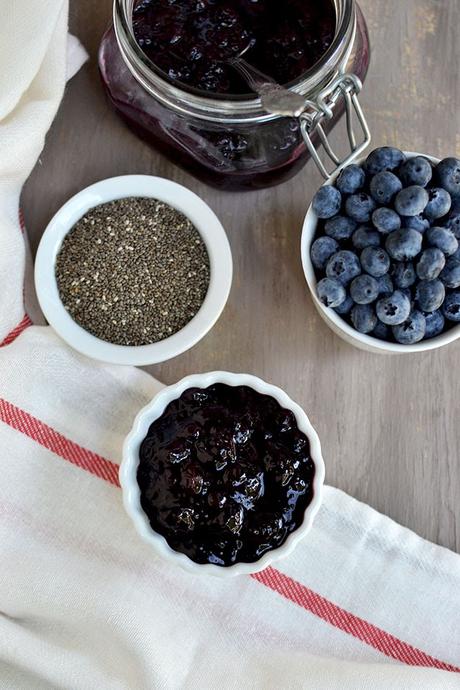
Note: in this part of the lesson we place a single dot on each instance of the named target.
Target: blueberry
(417, 171)
(456, 255)
(448, 175)
(411, 201)
(330, 292)
(386, 220)
(360, 206)
(384, 186)
(412, 330)
(394, 309)
(344, 265)
(340, 227)
(419, 223)
(403, 244)
(439, 203)
(345, 307)
(434, 324)
(384, 158)
(450, 274)
(430, 263)
(403, 274)
(430, 294)
(385, 285)
(327, 201)
(451, 306)
(321, 251)
(453, 223)
(444, 239)
(365, 237)
(351, 179)
(375, 261)
(381, 331)
(363, 318)
(364, 289)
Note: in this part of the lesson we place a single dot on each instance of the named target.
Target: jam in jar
(190, 40)
(165, 67)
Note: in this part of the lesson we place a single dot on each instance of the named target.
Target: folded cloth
(86, 604)
(35, 56)
(361, 604)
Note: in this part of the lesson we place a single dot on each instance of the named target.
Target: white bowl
(335, 321)
(130, 463)
(182, 199)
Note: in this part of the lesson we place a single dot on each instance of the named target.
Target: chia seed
(133, 271)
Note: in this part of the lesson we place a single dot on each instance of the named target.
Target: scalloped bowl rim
(335, 321)
(130, 462)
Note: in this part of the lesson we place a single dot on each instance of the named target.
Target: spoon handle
(275, 98)
(251, 75)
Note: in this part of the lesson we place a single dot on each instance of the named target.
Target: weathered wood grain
(389, 425)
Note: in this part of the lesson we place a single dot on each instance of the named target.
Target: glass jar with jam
(163, 68)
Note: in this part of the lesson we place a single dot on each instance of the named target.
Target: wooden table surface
(389, 426)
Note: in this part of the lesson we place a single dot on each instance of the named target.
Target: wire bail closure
(346, 86)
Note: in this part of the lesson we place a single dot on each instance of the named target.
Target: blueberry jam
(225, 474)
(189, 40)
(226, 146)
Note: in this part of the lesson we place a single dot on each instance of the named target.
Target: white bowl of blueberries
(381, 251)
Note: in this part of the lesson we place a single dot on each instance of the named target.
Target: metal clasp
(346, 86)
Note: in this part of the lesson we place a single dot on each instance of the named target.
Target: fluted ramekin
(130, 463)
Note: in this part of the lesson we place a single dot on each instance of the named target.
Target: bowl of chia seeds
(133, 270)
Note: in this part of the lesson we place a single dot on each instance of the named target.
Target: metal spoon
(276, 99)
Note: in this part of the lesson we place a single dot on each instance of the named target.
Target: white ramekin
(129, 465)
(335, 321)
(177, 196)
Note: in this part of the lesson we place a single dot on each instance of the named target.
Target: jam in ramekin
(225, 474)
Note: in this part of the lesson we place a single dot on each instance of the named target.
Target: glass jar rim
(234, 108)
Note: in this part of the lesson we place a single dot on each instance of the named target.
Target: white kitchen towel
(361, 603)
(35, 58)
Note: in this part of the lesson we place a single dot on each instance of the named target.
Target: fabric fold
(31, 87)
(361, 602)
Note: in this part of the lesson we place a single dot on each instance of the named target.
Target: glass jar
(230, 142)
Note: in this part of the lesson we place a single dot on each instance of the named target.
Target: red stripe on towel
(12, 335)
(342, 619)
(57, 443)
(273, 579)
(22, 222)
